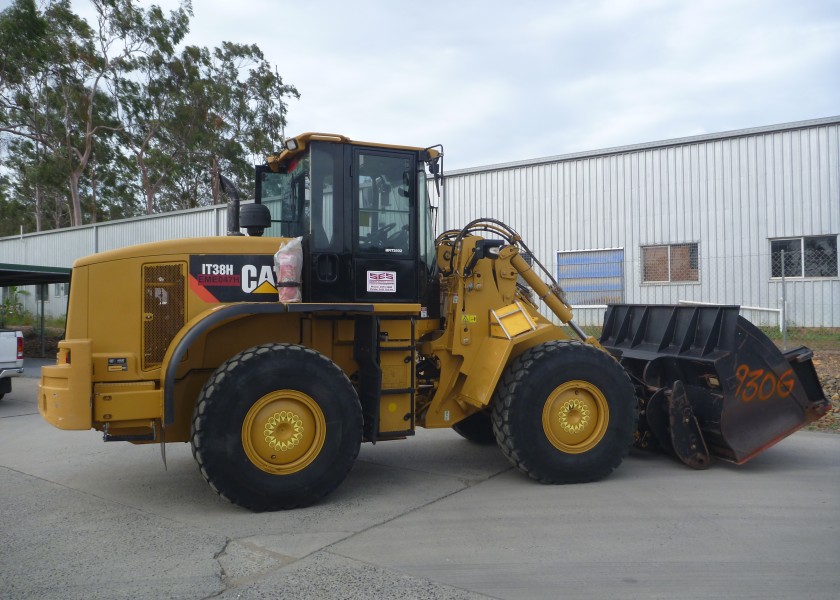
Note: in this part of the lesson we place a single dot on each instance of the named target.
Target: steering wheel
(400, 238)
(380, 236)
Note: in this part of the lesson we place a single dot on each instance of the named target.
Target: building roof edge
(651, 145)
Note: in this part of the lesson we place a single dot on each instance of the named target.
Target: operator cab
(363, 212)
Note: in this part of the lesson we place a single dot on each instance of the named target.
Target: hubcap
(575, 416)
(283, 432)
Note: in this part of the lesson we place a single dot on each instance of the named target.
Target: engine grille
(164, 309)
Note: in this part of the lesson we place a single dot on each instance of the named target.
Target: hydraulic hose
(552, 295)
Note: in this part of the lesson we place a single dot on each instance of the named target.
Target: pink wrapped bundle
(287, 267)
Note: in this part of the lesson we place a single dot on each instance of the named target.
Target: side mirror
(433, 161)
(434, 169)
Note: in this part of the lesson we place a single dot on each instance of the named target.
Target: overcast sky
(502, 81)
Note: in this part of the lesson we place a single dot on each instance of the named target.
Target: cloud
(500, 81)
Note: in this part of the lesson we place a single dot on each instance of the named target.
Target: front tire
(564, 412)
(277, 426)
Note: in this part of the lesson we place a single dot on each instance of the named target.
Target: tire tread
(504, 403)
(209, 396)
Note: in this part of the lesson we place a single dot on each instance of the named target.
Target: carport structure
(22, 275)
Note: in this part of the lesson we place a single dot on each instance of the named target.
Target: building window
(813, 256)
(59, 289)
(592, 276)
(674, 263)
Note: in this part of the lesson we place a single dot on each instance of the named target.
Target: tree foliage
(119, 117)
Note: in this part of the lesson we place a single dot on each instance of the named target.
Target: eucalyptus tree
(97, 112)
(27, 110)
(13, 214)
(249, 110)
(124, 33)
(58, 76)
(146, 89)
(34, 176)
(231, 112)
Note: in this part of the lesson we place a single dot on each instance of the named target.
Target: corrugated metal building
(716, 218)
(61, 247)
(703, 219)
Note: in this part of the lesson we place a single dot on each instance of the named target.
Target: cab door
(327, 241)
(384, 225)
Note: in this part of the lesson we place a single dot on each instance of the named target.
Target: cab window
(384, 191)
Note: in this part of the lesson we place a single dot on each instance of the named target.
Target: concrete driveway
(430, 517)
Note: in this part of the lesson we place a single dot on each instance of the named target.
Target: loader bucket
(709, 382)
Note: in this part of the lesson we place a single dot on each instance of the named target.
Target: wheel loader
(341, 318)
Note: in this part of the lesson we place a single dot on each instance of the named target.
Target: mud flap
(366, 354)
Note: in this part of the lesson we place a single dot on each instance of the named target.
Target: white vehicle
(11, 359)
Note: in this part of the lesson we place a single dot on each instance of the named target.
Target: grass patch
(816, 338)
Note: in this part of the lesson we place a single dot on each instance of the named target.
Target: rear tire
(564, 412)
(277, 426)
(477, 428)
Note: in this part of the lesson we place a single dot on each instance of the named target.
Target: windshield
(286, 194)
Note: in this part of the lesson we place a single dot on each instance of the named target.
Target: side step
(709, 382)
(107, 436)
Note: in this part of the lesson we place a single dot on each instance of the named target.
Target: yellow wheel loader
(342, 319)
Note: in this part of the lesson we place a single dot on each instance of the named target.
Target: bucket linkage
(709, 382)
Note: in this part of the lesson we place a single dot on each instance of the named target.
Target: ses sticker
(382, 281)
(233, 277)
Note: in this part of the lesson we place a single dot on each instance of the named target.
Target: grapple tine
(686, 437)
(709, 382)
(668, 416)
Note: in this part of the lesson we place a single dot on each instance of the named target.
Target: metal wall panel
(61, 247)
(730, 193)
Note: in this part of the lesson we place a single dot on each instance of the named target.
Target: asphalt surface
(429, 517)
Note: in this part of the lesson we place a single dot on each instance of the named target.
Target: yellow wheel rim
(575, 417)
(283, 432)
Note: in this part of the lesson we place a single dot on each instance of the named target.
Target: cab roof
(298, 144)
